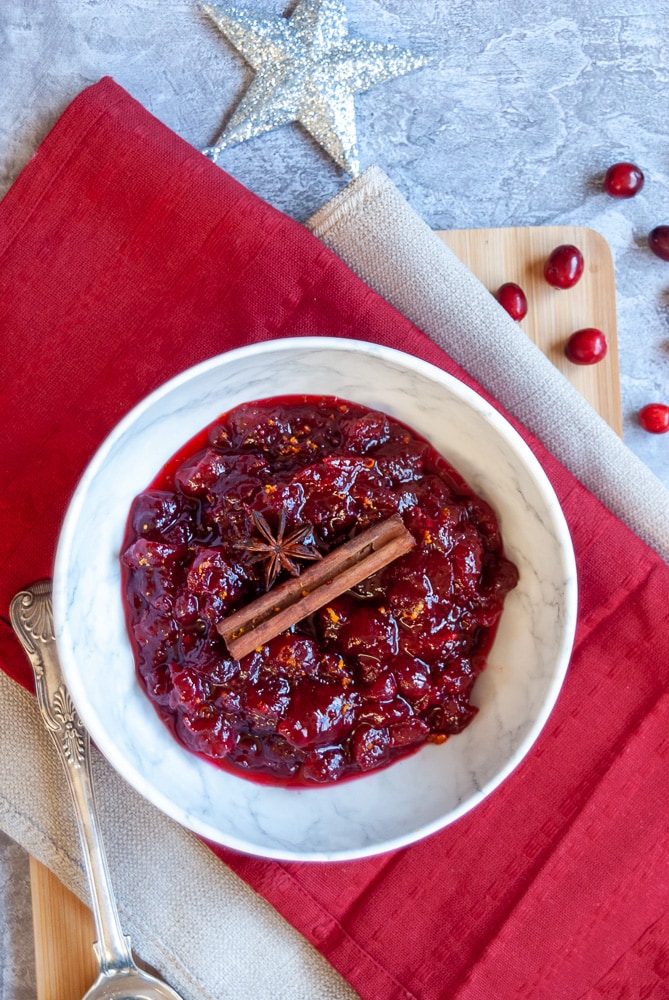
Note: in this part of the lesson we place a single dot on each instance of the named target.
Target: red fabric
(126, 256)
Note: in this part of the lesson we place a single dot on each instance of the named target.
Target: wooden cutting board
(63, 927)
(499, 255)
(64, 933)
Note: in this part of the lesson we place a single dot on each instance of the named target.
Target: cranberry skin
(655, 418)
(370, 746)
(586, 347)
(564, 267)
(512, 298)
(658, 241)
(324, 764)
(623, 180)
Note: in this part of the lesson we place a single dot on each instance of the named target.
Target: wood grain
(519, 254)
(64, 933)
(64, 928)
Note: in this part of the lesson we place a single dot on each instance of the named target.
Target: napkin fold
(373, 228)
(126, 256)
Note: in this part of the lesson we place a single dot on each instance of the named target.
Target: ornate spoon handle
(32, 620)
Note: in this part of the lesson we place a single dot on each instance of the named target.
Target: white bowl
(382, 810)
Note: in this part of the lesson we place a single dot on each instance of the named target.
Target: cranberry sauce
(368, 678)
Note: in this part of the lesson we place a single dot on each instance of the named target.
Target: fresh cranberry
(512, 298)
(586, 347)
(623, 180)
(658, 241)
(655, 418)
(564, 267)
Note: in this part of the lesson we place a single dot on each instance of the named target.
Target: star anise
(278, 550)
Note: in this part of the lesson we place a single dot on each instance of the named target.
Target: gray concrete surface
(526, 104)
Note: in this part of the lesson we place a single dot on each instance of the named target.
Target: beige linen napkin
(187, 914)
(372, 227)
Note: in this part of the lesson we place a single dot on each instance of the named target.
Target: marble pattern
(525, 105)
(416, 796)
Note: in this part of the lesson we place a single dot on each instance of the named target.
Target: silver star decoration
(308, 68)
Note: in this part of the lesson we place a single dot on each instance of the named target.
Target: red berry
(623, 180)
(655, 418)
(512, 298)
(564, 267)
(586, 347)
(658, 241)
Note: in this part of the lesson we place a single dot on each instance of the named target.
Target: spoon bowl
(130, 983)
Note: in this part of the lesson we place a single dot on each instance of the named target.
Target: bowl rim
(89, 715)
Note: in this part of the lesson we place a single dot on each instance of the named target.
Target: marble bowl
(412, 798)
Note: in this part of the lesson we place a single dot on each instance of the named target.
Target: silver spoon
(119, 978)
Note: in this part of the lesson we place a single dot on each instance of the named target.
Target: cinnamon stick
(297, 598)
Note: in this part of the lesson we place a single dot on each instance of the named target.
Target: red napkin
(126, 256)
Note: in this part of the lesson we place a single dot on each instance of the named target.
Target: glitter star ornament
(308, 68)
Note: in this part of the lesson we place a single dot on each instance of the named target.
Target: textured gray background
(525, 105)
